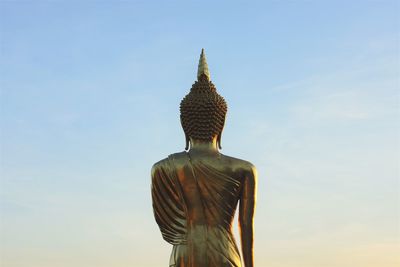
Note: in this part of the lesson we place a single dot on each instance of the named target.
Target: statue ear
(187, 142)
(219, 140)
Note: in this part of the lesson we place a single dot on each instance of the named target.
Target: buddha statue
(195, 193)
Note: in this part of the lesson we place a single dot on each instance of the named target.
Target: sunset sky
(89, 100)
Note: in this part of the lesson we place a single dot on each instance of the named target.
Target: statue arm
(246, 215)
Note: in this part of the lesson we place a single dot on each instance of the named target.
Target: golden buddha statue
(195, 192)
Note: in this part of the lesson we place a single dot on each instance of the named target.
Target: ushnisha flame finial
(203, 110)
(203, 67)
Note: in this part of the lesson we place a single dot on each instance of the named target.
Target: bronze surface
(195, 194)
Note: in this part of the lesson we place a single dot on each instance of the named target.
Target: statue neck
(203, 146)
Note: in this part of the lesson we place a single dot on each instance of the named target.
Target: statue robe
(194, 206)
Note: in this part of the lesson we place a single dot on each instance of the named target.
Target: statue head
(203, 110)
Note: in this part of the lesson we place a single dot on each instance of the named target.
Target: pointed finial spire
(203, 67)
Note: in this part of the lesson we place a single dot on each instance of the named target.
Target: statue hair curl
(203, 112)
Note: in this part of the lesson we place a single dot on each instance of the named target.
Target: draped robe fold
(193, 213)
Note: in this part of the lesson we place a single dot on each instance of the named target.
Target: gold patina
(195, 193)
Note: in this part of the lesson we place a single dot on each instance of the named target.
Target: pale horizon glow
(89, 100)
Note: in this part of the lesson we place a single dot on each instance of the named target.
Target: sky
(89, 100)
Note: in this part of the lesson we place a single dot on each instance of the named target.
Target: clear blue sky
(90, 94)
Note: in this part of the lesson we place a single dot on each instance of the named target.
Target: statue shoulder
(158, 165)
(247, 172)
(243, 165)
(166, 162)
